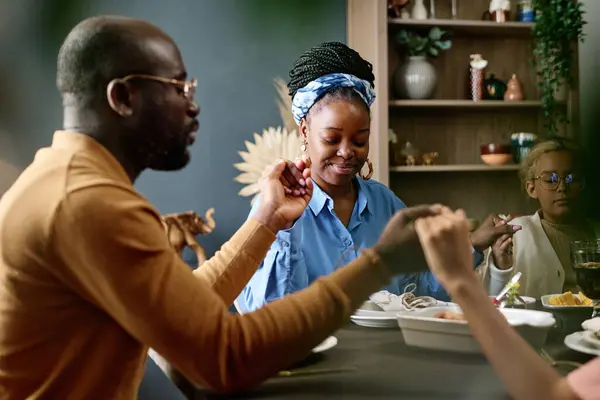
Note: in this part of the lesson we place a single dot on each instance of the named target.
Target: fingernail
(302, 182)
(516, 228)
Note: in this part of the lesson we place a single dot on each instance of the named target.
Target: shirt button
(348, 242)
(286, 244)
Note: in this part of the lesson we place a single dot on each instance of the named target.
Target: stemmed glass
(586, 264)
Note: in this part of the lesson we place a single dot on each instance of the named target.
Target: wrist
(383, 254)
(463, 284)
(476, 246)
(501, 265)
(270, 218)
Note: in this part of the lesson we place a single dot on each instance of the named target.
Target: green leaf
(435, 33)
(444, 44)
(433, 51)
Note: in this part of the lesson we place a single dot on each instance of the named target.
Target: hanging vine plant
(558, 25)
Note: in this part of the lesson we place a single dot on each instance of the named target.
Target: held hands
(446, 244)
(285, 193)
(399, 245)
(490, 231)
(502, 253)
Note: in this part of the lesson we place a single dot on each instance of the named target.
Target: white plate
(527, 299)
(375, 319)
(421, 329)
(575, 341)
(592, 324)
(326, 344)
(547, 305)
(591, 339)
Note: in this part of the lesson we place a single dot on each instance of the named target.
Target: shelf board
(465, 104)
(455, 168)
(468, 26)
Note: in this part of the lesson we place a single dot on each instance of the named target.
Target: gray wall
(589, 75)
(234, 47)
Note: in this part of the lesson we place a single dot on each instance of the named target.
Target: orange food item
(454, 316)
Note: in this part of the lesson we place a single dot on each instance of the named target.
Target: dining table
(376, 363)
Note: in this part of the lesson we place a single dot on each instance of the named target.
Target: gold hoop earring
(369, 174)
(304, 150)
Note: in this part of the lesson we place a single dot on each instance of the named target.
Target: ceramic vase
(419, 11)
(415, 79)
(514, 92)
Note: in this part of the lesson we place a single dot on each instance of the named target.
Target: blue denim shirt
(318, 243)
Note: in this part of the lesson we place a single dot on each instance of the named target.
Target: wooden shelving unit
(454, 168)
(465, 103)
(467, 27)
(450, 123)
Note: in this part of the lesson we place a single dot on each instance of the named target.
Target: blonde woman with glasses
(552, 175)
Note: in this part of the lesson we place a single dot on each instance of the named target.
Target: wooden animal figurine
(429, 158)
(182, 228)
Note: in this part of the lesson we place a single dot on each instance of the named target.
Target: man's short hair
(96, 51)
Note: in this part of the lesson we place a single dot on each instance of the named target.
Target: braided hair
(329, 58)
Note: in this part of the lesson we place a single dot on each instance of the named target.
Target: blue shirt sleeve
(283, 271)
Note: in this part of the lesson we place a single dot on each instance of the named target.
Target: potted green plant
(416, 78)
(558, 26)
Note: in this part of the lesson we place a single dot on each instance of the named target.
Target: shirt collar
(76, 142)
(319, 198)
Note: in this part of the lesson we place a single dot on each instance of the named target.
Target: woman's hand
(502, 252)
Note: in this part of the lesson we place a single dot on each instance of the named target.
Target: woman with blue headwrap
(332, 89)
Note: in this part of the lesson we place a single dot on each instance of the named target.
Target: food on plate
(406, 301)
(410, 301)
(450, 315)
(569, 299)
(511, 297)
(589, 264)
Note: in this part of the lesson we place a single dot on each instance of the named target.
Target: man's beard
(165, 153)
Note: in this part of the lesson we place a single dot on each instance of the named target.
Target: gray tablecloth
(386, 368)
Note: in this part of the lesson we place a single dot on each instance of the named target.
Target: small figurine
(476, 78)
(500, 10)
(494, 88)
(410, 154)
(395, 8)
(429, 158)
(513, 90)
(182, 228)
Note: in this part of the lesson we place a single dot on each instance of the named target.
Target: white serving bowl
(421, 329)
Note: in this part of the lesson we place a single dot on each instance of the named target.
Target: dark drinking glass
(586, 263)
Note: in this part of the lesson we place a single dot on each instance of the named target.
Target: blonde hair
(528, 164)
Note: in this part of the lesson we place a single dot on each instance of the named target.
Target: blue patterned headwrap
(306, 97)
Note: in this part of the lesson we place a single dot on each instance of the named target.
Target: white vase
(415, 79)
(419, 11)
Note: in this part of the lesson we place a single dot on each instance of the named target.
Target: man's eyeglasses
(551, 181)
(188, 87)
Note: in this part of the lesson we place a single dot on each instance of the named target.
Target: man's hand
(445, 241)
(286, 191)
(491, 230)
(399, 245)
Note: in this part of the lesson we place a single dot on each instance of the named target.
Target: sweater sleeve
(115, 255)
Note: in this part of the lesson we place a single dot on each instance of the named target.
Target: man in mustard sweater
(88, 280)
